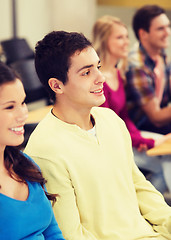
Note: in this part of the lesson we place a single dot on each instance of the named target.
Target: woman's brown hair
(19, 166)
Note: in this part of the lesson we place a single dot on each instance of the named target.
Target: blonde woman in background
(111, 42)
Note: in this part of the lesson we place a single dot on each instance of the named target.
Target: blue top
(30, 219)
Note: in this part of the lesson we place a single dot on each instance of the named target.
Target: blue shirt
(30, 219)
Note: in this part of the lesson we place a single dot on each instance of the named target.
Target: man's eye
(10, 107)
(86, 73)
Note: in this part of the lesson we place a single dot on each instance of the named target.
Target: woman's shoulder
(29, 158)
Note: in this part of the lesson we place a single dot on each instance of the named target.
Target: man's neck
(153, 52)
(80, 118)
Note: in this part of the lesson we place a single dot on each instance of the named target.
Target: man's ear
(142, 34)
(55, 85)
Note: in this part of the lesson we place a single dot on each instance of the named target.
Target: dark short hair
(53, 53)
(7, 74)
(143, 17)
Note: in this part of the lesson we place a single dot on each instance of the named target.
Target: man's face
(159, 32)
(84, 88)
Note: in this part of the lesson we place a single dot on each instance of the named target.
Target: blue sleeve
(53, 232)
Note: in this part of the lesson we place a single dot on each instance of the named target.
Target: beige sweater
(103, 195)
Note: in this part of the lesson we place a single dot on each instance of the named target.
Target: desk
(162, 149)
(36, 115)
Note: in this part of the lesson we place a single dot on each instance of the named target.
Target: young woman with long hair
(25, 209)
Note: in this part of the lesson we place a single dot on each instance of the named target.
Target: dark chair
(33, 88)
(28, 130)
(16, 49)
(32, 85)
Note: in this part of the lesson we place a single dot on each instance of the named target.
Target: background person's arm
(141, 91)
(158, 116)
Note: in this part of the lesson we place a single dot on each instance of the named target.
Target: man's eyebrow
(84, 67)
(9, 102)
(87, 66)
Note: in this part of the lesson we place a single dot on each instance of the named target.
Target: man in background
(148, 85)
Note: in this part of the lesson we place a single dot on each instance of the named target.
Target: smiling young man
(149, 77)
(85, 151)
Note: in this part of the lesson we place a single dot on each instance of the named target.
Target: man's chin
(100, 103)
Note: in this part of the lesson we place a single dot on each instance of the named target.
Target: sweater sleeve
(152, 205)
(65, 210)
(151, 202)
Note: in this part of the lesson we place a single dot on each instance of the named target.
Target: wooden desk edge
(37, 115)
(162, 149)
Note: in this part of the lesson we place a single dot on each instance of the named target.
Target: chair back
(32, 85)
(16, 49)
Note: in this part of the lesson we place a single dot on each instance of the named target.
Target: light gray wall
(74, 15)
(32, 19)
(35, 18)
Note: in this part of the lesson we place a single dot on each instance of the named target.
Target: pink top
(116, 101)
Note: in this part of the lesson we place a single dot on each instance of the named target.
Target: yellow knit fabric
(103, 195)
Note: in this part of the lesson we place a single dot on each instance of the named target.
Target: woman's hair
(19, 165)
(7, 74)
(16, 163)
(101, 31)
